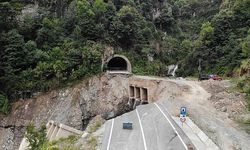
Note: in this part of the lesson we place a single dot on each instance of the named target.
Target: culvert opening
(132, 91)
(137, 93)
(117, 63)
(144, 94)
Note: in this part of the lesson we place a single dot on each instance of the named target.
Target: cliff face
(56, 7)
(74, 106)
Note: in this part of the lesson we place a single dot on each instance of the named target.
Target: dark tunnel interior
(117, 63)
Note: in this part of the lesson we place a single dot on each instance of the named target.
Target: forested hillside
(47, 44)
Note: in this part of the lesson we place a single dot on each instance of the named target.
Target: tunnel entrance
(119, 63)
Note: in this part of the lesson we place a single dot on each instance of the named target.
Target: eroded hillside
(74, 106)
(213, 108)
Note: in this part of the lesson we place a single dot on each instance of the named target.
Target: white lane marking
(172, 126)
(110, 135)
(143, 137)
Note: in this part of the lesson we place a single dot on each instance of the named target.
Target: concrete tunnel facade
(119, 63)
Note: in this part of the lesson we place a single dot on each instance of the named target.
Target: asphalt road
(153, 129)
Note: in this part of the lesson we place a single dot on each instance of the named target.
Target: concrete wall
(146, 89)
(55, 131)
(137, 96)
(153, 89)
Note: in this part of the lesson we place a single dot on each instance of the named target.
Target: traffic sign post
(183, 111)
(182, 119)
(183, 114)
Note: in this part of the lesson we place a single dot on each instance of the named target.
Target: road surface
(153, 129)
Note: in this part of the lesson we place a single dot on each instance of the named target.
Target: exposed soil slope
(210, 105)
(75, 106)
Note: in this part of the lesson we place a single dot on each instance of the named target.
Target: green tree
(90, 30)
(14, 52)
(99, 7)
(166, 22)
(36, 138)
(128, 28)
(147, 9)
(241, 13)
(51, 34)
(206, 33)
(8, 17)
(4, 104)
(29, 26)
(245, 46)
(92, 54)
(14, 59)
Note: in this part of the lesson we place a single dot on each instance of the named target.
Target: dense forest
(62, 41)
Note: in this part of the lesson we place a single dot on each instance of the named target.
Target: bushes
(36, 138)
(4, 104)
(38, 141)
(244, 86)
(63, 64)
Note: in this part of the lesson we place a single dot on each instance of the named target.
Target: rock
(108, 115)
(26, 106)
(29, 10)
(54, 96)
(36, 94)
(150, 57)
(95, 96)
(223, 109)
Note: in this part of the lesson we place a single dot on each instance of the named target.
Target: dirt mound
(223, 99)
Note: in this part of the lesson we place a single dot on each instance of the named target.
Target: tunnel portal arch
(119, 63)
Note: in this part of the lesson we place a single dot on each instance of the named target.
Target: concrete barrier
(55, 131)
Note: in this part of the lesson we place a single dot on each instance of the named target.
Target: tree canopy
(62, 43)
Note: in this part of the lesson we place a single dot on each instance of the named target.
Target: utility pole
(199, 69)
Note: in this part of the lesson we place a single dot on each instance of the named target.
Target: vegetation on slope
(38, 141)
(64, 40)
(244, 85)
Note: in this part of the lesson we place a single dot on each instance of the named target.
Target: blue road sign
(183, 111)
